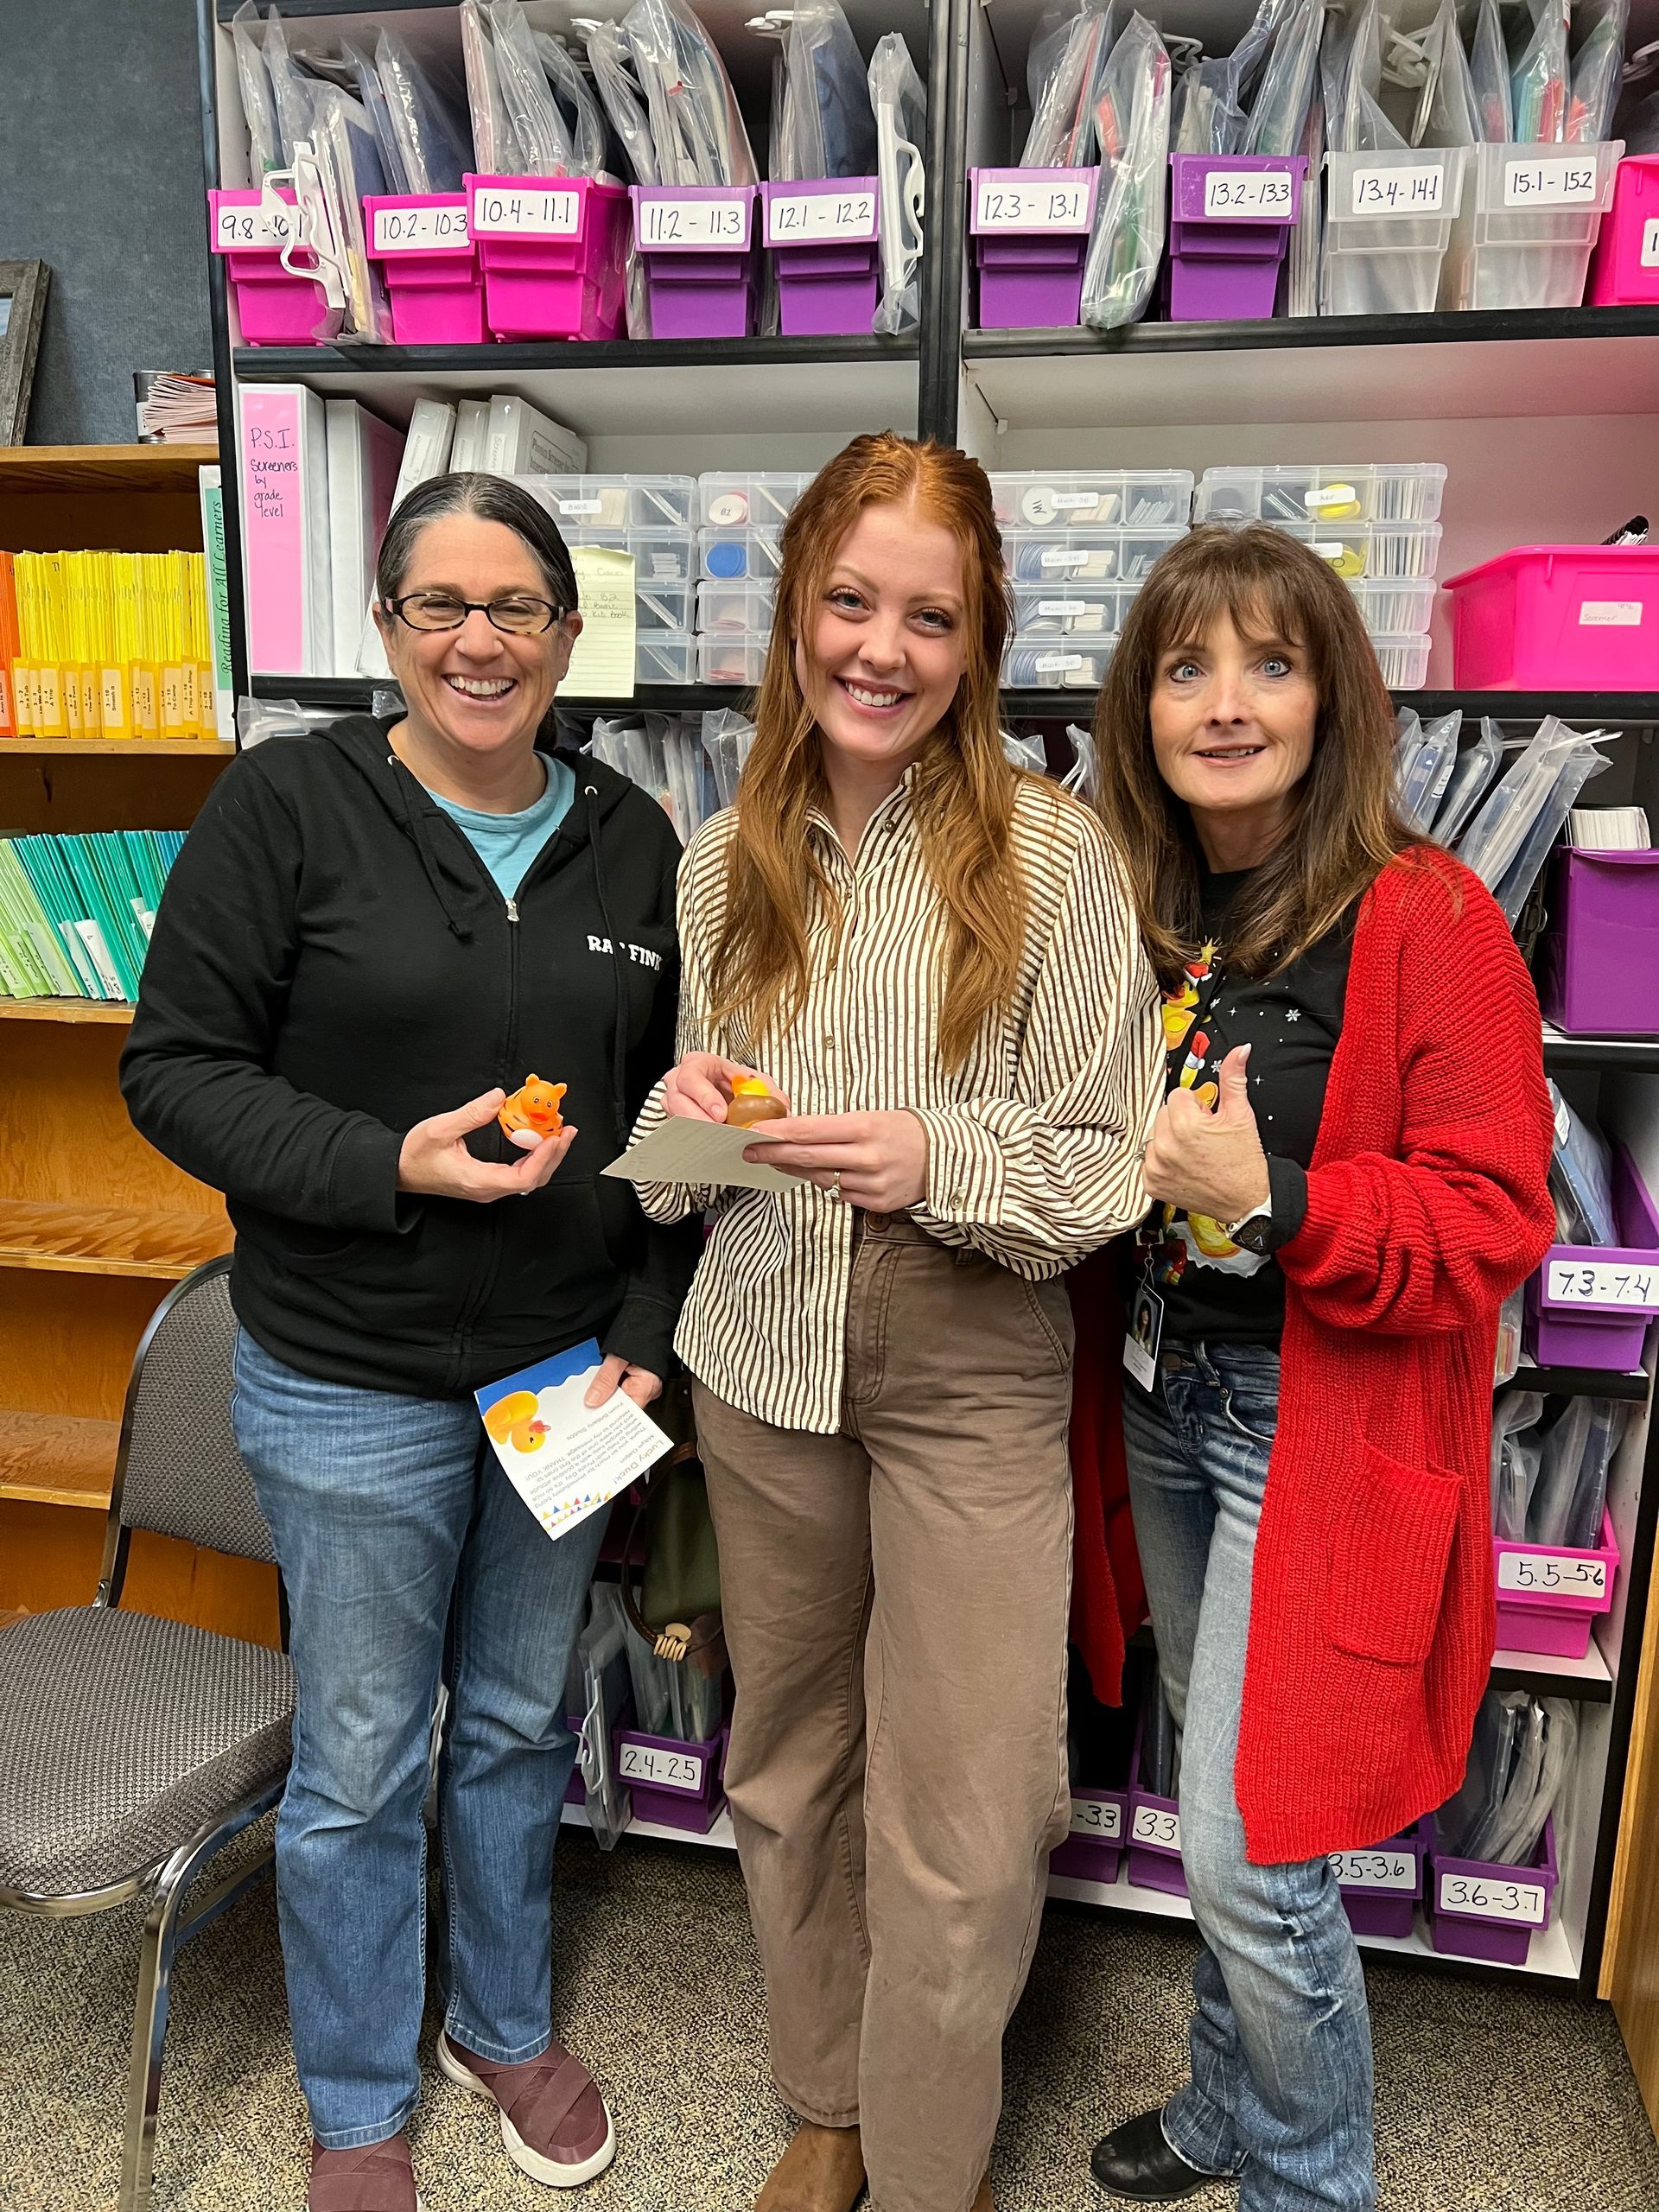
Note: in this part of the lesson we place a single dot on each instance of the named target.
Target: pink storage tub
(1030, 229)
(1624, 268)
(1154, 1842)
(1598, 975)
(1381, 1886)
(1477, 1910)
(1094, 1850)
(425, 250)
(553, 251)
(1590, 1304)
(676, 1785)
(1548, 1596)
(1575, 618)
(274, 307)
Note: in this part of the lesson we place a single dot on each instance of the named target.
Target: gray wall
(100, 178)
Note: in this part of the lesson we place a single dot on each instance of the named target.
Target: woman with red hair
(933, 958)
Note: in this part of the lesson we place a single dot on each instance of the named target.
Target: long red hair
(963, 789)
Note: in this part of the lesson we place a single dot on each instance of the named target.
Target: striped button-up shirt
(1034, 1143)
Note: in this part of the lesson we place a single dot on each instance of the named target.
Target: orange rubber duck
(534, 1107)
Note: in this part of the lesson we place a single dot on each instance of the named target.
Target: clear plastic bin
(1530, 220)
(746, 555)
(736, 659)
(729, 501)
(1369, 491)
(660, 556)
(1396, 610)
(663, 607)
(729, 610)
(1071, 610)
(1372, 552)
(1389, 220)
(1046, 498)
(665, 656)
(618, 502)
(1403, 661)
(1084, 555)
(1057, 663)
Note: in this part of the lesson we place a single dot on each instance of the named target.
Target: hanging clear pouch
(1589, 1500)
(1428, 772)
(426, 114)
(1538, 82)
(1598, 68)
(1068, 53)
(493, 140)
(254, 82)
(900, 106)
(1278, 112)
(612, 64)
(727, 738)
(830, 129)
(1580, 1177)
(696, 125)
(1559, 1461)
(543, 142)
(1132, 118)
(1517, 880)
(1471, 773)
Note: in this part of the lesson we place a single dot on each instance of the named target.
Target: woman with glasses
(375, 933)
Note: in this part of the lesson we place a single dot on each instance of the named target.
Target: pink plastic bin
(1155, 1841)
(1571, 1321)
(274, 307)
(424, 248)
(1381, 1886)
(1030, 229)
(1581, 618)
(553, 251)
(1598, 975)
(1625, 268)
(676, 1785)
(1548, 1596)
(1094, 1850)
(1477, 1910)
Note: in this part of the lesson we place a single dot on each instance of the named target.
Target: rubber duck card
(564, 1457)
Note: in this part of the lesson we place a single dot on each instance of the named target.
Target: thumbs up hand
(1205, 1162)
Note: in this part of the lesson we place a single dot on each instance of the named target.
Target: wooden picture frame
(23, 303)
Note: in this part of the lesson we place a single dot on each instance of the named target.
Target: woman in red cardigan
(1350, 1165)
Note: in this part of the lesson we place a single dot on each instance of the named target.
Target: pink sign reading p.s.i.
(274, 435)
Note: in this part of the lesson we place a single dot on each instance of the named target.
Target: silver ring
(834, 1191)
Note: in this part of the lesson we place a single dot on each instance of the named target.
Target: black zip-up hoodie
(333, 963)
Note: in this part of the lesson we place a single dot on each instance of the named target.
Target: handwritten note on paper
(699, 1153)
(601, 666)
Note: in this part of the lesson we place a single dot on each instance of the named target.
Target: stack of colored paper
(106, 644)
(76, 913)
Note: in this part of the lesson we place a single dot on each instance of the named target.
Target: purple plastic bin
(274, 307)
(553, 251)
(696, 242)
(821, 234)
(1094, 1850)
(1600, 975)
(1155, 1843)
(1548, 1596)
(1589, 1304)
(1381, 1886)
(1030, 229)
(1230, 218)
(430, 265)
(676, 1785)
(1477, 1910)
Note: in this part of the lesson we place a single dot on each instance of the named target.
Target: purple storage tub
(1231, 217)
(696, 242)
(1477, 1910)
(1381, 1886)
(1154, 1845)
(1030, 229)
(1548, 1596)
(553, 251)
(1589, 1304)
(430, 265)
(274, 307)
(1600, 975)
(821, 234)
(1094, 1850)
(676, 1785)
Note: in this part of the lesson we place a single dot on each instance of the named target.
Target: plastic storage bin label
(1037, 206)
(1046, 663)
(531, 213)
(793, 218)
(1375, 1870)
(246, 230)
(1480, 1899)
(1604, 1283)
(1611, 614)
(1062, 607)
(1152, 1826)
(1248, 195)
(1097, 1816)
(659, 1769)
(1541, 1572)
(1650, 243)
(1417, 190)
(668, 220)
(1569, 182)
(419, 230)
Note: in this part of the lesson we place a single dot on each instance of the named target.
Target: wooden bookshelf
(151, 1243)
(57, 1461)
(65, 1010)
(153, 748)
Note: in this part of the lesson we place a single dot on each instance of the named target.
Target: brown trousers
(896, 1600)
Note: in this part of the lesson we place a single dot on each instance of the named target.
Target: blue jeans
(1280, 2092)
(392, 1529)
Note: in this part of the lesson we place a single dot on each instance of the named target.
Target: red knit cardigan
(1372, 1612)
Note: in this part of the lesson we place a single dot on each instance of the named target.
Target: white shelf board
(1592, 1667)
(719, 1838)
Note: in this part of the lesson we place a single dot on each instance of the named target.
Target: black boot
(1134, 2161)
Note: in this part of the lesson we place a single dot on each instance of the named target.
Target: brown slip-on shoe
(554, 2122)
(822, 2170)
(377, 2177)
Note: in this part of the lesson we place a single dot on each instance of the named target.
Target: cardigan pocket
(1388, 1560)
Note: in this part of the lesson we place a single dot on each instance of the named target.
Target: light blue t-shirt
(508, 844)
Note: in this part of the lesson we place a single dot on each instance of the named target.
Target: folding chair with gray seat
(133, 1749)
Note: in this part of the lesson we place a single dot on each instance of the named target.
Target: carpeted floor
(1491, 2098)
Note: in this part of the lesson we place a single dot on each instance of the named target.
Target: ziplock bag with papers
(1447, 112)
(1428, 770)
(1489, 74)
(1068, 53)
(696, 127)
(1580, 1177)
(1278, 112)
(426, 114)
(900, 106)
(1472, 770)
(1132, 119)
(612, 64)
(727, 737)
(1600, 27)
(1213, 110)
(259, 106)
(1572, 1483)
(1538, 81)
(1515, 803)
(826, 127)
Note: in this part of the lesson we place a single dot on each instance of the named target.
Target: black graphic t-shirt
(1210, 1288)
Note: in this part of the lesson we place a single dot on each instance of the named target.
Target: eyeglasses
(519, 616)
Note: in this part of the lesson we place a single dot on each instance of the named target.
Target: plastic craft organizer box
(1388, 223)
(1528, 223)
(273, 306)
(552, 250)
(1030, 229)
(1548, 1595)
(1230, 220)
(1582, 618)
(1624, 268)
(696, 244)
(1599, 975)
(430, 265)
(1589, 1304)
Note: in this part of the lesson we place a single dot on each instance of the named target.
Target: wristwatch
(1249, 1232)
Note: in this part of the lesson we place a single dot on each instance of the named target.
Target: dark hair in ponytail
(492, 499)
